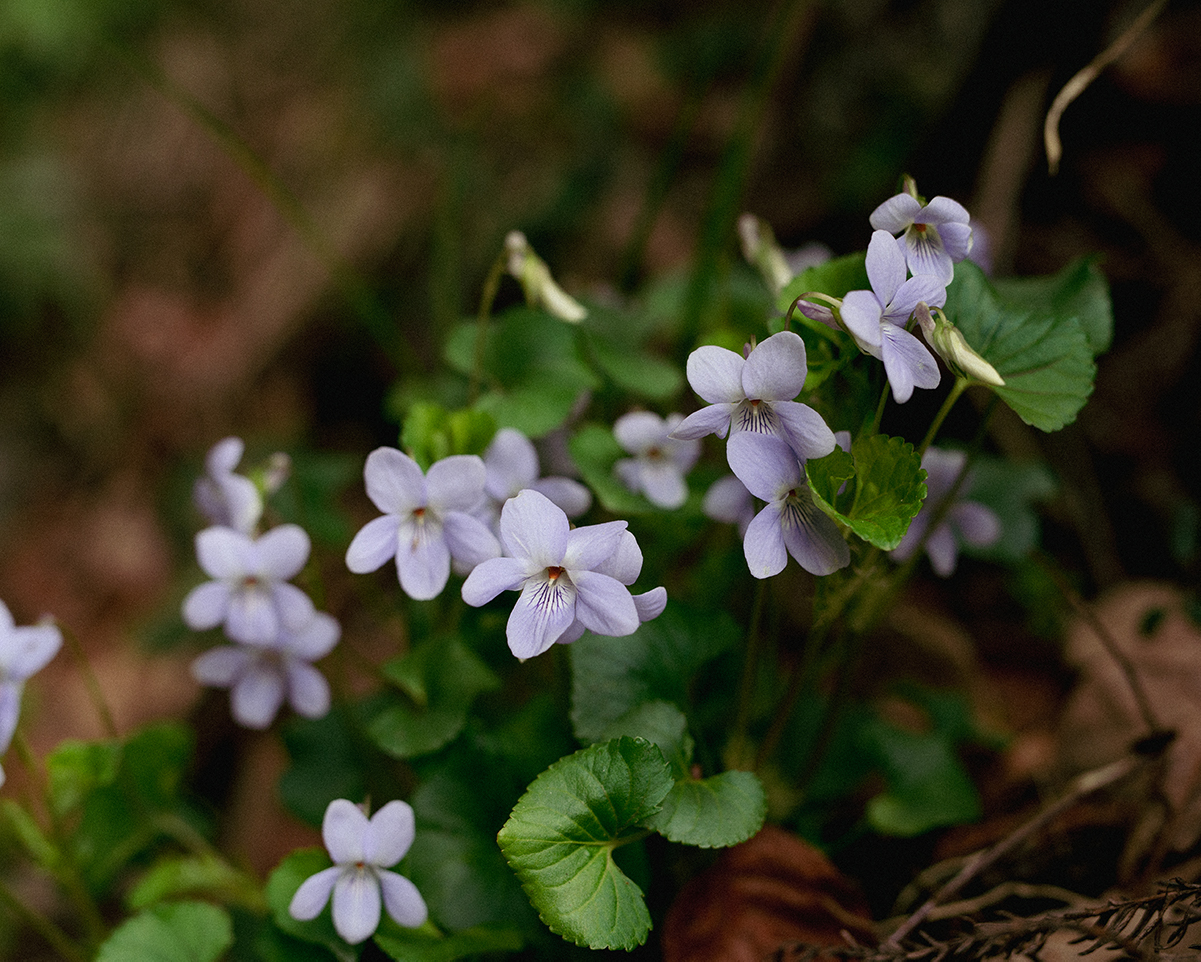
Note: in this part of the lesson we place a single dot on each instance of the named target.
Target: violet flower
(933, 237)
(261, 677)
(227, 499)
(791, 523)
(250, 592)
(876, 319)
(728, 500)
(363, 850)
(963, 520)
(660, 461)
(557, 570)
(511, 466)
(427, 520)
(24, 651)
(755, 394)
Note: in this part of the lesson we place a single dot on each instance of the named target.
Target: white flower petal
(357, 904)
(224, 553)
(394, 481)
(402, 900)
(763, 545)
(604, 605)
(257, 695)
(592, 544)
(456, 483)
(343, 829)
(313, 893)
(468, 539)
(896, 213)
(510, 463)
(308, 691)
(714, 419)
(281, 553)
(715, 373)
(30, 649)
(206, 605)
(389, 834)
(423, 559)
(567, 493)
(776, 368)
(650, 604)
(489, 579)
(375, 543)
(534, 528)
(221, 667)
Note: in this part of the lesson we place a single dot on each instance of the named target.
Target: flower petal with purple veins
(763, 545)
(531, 527)
(907, 362)
(604, 605)
(813, 539)
(545, 609)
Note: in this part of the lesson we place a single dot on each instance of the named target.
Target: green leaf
(713, 812)
(1079, 290)
(885, 493)
(612, 676)
(1044, 357)
(631, 370)
(660, 722)
(441, 678)
(327, 763)
(419, 945)
(195, 875)
(25, 828)
(562, 833)
(595, 451)
(282, 885)
(75, 768)
(431, 433)
(177, 932)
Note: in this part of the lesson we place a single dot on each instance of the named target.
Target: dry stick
(1079, 83)
(1081, 786)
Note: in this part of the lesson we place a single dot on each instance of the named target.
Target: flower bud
(952, 347)
(760, 249)
(536, 280)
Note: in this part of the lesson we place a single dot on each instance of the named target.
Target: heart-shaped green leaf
(712, 812)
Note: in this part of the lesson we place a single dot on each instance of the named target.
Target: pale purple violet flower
(427, 520)
(511, 466)
(660, 461)
(24, 651)
(963, 520)
(227, 499)
(933, 238)
(755, 394)
(250, 592)
(876, 319)
(556, 568)
(261, 677)
(790, 523)
(728, 500)
(362, 851)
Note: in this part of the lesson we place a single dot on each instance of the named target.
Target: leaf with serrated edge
(562, 832)
(713, 812)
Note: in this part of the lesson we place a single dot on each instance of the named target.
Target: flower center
(920, 228)
(553, 572)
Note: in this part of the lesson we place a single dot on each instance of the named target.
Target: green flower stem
(89, 679)
(487, 297)
(53, 936)
(879, 410)
(961, 385)
(750, 668)
(852, 646)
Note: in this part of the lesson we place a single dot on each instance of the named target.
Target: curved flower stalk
(756, 394)
(363, 850)
(262, 677)
(659, 461)
(560, 572)
(962, 520)
(24, 651)
(790, 523)
(933, 237)
(511, 466)
(249, 593)
(876, 319)
(428, 520)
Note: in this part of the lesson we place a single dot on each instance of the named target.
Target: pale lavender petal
(957, 240)
(639, 431)
(510, 464)
(650, 604)
(763, 545)
(921, 287)
(375, 543)
(861, 313)
(818, 312)
(895, 214)
(308, 691)
(543, 612)
(490, 578)
(242, 500)
(573, 633)
(206, 605)
(925, 254)
(567, 493)
(456, 483)
(389, 834)
(468, 538)
(31, 649)
(624, 564)
(592, 544)
(885, 265)
(977, 525)
(402, 900)
(533, 528)
(221, 667)
(764, 464)
(423, 559)
(313, 638)
(776, 368)
(804, 429)
(683, 453)
(357, 904)
(715, 373)
(942, 210)
(942, 551)
(814, 539)
(224, 553)
(728, 500)
(714, 419)
(313, 893)
(343, 829)
(913, 534)
(293, 606)
(280, 554)
(908, 363)
(224, 456)
(257, 695)
(629, 471)
(394, 481)
(6, 619)
(604, 605)
(10, 712)
(663, 485)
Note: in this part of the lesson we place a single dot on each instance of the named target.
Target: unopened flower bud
(535, 278)
(952, 347)
(760, 249)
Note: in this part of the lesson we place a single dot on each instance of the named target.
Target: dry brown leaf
(773, 889)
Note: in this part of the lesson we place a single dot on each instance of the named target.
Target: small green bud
(952, 347)
(536, 280)
(761, 251)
